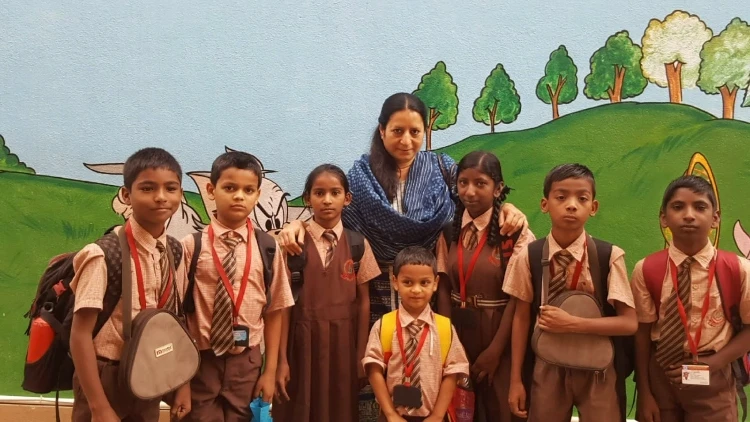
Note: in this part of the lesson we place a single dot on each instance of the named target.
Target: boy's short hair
(149, 158)
(235, 159)
(569, 171)
(696, 184)
(414, 255)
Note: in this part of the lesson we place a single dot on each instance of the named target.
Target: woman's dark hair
(486, 163)
(384, 166)
(332, 169)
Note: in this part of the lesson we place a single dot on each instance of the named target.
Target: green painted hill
(634, 150)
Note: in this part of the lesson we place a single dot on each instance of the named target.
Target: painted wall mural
(641, 104)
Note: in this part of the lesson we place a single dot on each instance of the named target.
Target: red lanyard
(223, 274)
(694, 343)
(463, 278)
(579, 267)
(409, 366)
(139, 273)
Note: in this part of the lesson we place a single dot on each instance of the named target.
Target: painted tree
(559, 85)
(438, 92)
(671, 52)
(499, 101)
(615, 70)
(725, 64)
(10, 162)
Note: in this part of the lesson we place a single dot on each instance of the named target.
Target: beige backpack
(159, 355)
(575, 351)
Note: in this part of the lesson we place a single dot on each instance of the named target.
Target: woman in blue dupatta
(401, 196)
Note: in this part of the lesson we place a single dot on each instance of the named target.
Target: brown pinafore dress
(322, 349)
(476, 333)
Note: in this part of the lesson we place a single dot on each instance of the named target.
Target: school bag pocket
(575, 351)
(159, 357)
(47, 355)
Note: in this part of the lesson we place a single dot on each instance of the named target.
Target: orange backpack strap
(654, 271)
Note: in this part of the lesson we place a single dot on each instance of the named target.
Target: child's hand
(266, 385)
(181, 406)
(292, 237)
(395, 418)
(485, 366)
(513, 219)
(555, 320)
(105, 414)
(433, 418)
(282, 379)
(517, 399)
(648, 410)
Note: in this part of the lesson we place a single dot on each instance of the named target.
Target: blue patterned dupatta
(427, 202)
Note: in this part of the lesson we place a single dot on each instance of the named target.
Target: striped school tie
(470, 238)
(414, 329)
(558, 282)
(222, 337)
(165, 271)
(330, 236)
(669, 350)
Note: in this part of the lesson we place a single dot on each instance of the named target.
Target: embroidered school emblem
(348, 272)
(496, 258)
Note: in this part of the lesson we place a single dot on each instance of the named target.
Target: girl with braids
(474, 260)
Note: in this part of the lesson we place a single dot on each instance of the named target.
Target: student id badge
(695, 374)
(407, 396)
(241, 335)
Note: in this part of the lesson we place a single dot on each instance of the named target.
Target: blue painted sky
(296, 83)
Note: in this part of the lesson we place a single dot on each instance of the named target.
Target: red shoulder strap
(728, 280)
(654, 271)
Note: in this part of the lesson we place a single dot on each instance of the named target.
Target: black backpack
(296, 263)
(267, 246)
(54, 303)
(624, 346)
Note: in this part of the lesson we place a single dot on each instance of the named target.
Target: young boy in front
(569, 199)
(153, 188)
(412, 373)
(232, 310)
(693, 264)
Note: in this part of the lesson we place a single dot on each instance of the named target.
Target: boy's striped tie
(222, 337)
(558, 282)
(414, 329)
(165, 272)
(669, 350)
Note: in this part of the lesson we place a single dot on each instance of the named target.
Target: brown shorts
(716, 402)
(125, 405)
(223, 388)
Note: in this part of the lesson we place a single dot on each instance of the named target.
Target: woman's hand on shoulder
(513, 219)
(292, 237)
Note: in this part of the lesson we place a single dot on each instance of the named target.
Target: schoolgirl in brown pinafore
(324, 332)
(479, 309)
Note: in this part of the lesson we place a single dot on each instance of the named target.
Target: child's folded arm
(556, 320)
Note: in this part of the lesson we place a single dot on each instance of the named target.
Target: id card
(695, 374)
(241, 335)
(407, 396)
